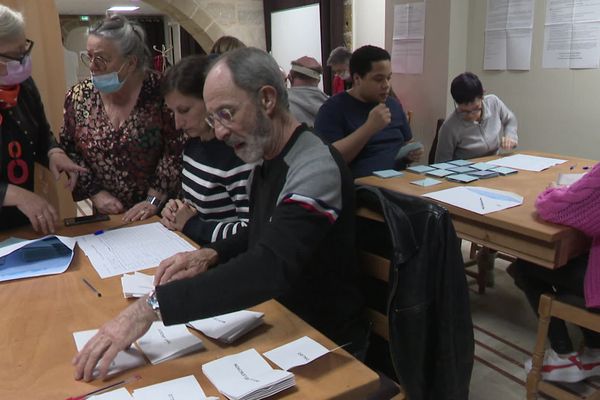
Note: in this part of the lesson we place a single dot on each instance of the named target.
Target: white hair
(11, 23)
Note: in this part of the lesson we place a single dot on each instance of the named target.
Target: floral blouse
(144, 152)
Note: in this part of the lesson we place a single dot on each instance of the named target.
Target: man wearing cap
(304, 96)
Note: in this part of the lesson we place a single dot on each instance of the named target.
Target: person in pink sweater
(577, 206)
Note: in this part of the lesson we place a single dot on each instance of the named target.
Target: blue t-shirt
(342, 114)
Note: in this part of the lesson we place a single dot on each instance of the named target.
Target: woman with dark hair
(478, 126)
(117, 125)
(25, 136)
(215, 202)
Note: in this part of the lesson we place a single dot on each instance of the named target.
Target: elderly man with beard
(298, 247)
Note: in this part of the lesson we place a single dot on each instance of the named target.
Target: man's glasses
(19, 58)
(98, 61)
(224, 116)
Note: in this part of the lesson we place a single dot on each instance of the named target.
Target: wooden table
(39, 315)
(517, 231)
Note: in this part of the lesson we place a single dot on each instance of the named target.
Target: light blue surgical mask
(108, 83)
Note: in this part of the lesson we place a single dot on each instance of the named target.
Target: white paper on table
(136, 284)
(162, 343)
(568, 179)
(126, 359)
(228, 327)
(239, 375)
(14, 267)
(118, 394)
(296, 353)
(526, 162)
(176, 389)
(131, 249)
(478, 199)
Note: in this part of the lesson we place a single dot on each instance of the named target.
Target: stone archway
(207, 20)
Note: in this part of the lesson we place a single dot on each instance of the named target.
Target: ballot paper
(228, 327)
(246, 376)
(124, 360)
(29, 258)
(478, 199)
(118, 394)
(299, 352)
(163, 343)
(176, 389)
(527, 162)
(136, 284)
(131, 249)
(426, 182)
(419, 169)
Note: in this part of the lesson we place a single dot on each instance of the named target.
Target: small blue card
(460, 163)
(442, 165)
(420, 169)
(440, 173)
(482, 166)
(462, 170)
(426, 182)
(463, 178)
(505, 170)
(387, 173)
(484, 174)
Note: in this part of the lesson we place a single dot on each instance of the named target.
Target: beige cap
(307, 66)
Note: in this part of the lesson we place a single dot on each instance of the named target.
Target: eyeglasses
(224, 116)
(98, 61)
(466, 113)
(20, 58)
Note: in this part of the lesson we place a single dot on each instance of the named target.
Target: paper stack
(177, 389)
(162, 343)
(228, 327)
(136, 284)
(246, 376)
(124, 360)
(298, 352)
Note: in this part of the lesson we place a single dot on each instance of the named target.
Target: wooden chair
(375, 270)
(551, 307)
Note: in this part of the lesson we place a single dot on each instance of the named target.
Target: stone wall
(207, 20)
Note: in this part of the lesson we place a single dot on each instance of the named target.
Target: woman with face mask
(117, 125)
(25, 136)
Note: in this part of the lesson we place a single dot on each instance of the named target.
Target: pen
(101, 231)
(105, 388)
(572, 167)
(482, 206)
(91, 287)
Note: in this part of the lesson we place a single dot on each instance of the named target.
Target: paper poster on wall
(508, 34)
(572, 34)
(408, 39)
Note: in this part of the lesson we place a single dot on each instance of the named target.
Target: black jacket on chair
(431, 331)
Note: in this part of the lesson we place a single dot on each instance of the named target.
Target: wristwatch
(152, 301)
(155, 201)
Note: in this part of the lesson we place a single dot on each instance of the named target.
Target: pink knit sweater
(578, 206)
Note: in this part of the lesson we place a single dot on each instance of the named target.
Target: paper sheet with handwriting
(176, 389)
(131, 249)
(296, 353)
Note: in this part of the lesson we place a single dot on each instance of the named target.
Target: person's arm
(509, 122)
(204, 231)
(575, 205)
(46, 141)
(446, 143)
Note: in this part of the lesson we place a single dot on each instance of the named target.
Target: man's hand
(114, 336)
(379, 117)
(60, 162)
(507, 143)
(185, 265)
(106, 203)
(176, 214)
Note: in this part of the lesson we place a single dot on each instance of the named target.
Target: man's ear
(268, 98)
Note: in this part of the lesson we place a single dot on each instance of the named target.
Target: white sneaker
(590, 361)
(559, 369)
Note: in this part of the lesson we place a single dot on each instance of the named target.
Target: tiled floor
(505, 329)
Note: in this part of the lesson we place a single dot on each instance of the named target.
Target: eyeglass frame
(469, 112)
(88, 60)
(20, 59)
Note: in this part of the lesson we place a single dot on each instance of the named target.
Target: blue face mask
(108, 83)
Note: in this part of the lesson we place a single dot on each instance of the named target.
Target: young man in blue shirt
(364, 123)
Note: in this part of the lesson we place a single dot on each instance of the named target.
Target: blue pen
(99, 232)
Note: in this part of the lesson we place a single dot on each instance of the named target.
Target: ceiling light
(123, 8)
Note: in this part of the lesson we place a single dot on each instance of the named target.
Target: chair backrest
(431, 157)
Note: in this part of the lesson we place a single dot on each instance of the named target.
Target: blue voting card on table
(462, 170)
(440, 173)
(419, 169)
(442, 165)
(463, 178)
(485, 174)
(505, 170)
(387, 173)
(426, 182)
(461, 163)
(482, 166)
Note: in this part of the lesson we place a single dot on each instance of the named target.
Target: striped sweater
(578, 206)
(215, 181)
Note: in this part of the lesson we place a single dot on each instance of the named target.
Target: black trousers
(566, 281)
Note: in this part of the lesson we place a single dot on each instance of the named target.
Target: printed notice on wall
(508, 33)
(408, 38)
(572, 34)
